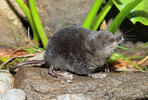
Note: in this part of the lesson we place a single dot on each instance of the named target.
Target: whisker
(127, 31)
(134, 35)
(127, 39)
(125, 35)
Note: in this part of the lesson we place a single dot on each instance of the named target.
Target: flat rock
(55, 14)
(11, 27)
(39, 85)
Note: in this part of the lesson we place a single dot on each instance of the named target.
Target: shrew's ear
(89, 44)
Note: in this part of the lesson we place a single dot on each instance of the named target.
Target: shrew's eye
(103, 42)
(119, 38)
(112, 40)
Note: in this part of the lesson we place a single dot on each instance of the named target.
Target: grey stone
(39, 85)
(55, 14)
(11, 35)
(11, 27)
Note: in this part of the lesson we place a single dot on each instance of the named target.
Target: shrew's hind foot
(63, 76)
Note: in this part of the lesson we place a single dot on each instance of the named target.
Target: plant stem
(116, 56)
(123, 13)
(102, 14)
(38, 23)
(92, 13)
(121, 56)
(29, 17)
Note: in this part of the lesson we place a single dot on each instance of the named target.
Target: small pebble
(99, 75)
(4, 87)
(73, 97)
(13, 94)
(7, 78)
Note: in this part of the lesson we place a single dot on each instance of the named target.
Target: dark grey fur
(79, 50)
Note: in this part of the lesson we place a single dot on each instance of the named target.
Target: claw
(62, 76)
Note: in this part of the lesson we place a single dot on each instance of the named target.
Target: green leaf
(3, 59)
(116, 56)
(29, 17)
(123, 13)
(102, 14)
(38, 23)
(92, 13)
(138, 14)
(30, 50)
(125, 48)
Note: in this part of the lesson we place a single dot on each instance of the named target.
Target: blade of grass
(123, 13)
(116, 56)
(131, 63)
(38, 23)
(102, 14)
(92, 13)
(125, 48)
(29, 17)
